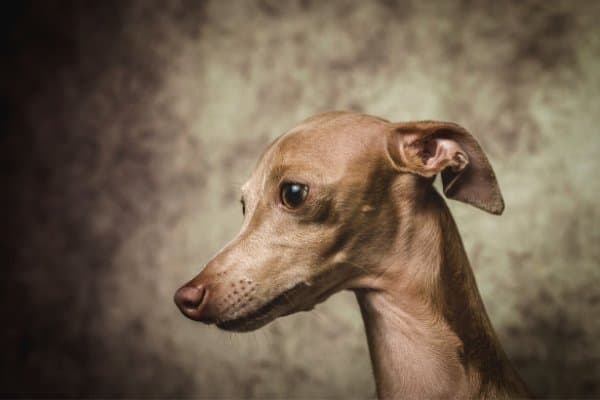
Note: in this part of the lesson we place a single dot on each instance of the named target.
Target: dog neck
(428, 333)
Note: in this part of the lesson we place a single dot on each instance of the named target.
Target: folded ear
(427, 148)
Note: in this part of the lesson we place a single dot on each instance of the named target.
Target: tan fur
(374, 224)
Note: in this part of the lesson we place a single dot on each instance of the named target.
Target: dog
(345, 201)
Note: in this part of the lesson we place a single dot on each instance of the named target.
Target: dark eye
(243, 206)
(293, 194)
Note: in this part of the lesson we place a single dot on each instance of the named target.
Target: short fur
(372, 223)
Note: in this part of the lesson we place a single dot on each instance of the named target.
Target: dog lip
(262, 315)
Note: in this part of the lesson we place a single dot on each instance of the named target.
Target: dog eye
(293, 194)
(243, 206)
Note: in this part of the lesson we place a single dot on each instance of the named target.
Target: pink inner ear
(428, 151)
(438, 154)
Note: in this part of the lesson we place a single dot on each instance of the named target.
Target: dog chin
(244, 324)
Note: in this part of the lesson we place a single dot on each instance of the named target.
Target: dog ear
(427, 148)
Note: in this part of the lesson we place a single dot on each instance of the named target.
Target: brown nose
(191, 300)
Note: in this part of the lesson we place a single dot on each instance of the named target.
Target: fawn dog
(346, 201)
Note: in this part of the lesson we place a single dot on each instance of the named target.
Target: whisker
(320, 315)
(380, 274)
(364, 269)
(261, 333)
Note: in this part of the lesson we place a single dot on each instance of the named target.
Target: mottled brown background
(128, 126)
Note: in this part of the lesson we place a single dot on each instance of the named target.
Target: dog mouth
(285, 303)
(279, 306)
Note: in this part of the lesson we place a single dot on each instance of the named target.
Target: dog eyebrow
(295, 172)
(277, 172)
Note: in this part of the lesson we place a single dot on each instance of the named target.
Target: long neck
(429, 335)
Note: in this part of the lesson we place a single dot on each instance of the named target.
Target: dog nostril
(190, 298)
(188, 303)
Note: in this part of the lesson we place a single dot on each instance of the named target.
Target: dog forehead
(323, 148)
(331, 138)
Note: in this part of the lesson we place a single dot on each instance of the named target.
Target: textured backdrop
(128, 127)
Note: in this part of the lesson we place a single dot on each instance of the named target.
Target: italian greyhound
(346, 201)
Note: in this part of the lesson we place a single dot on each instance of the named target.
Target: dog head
(322, 211)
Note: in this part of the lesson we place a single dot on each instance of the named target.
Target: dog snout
(192, 300)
